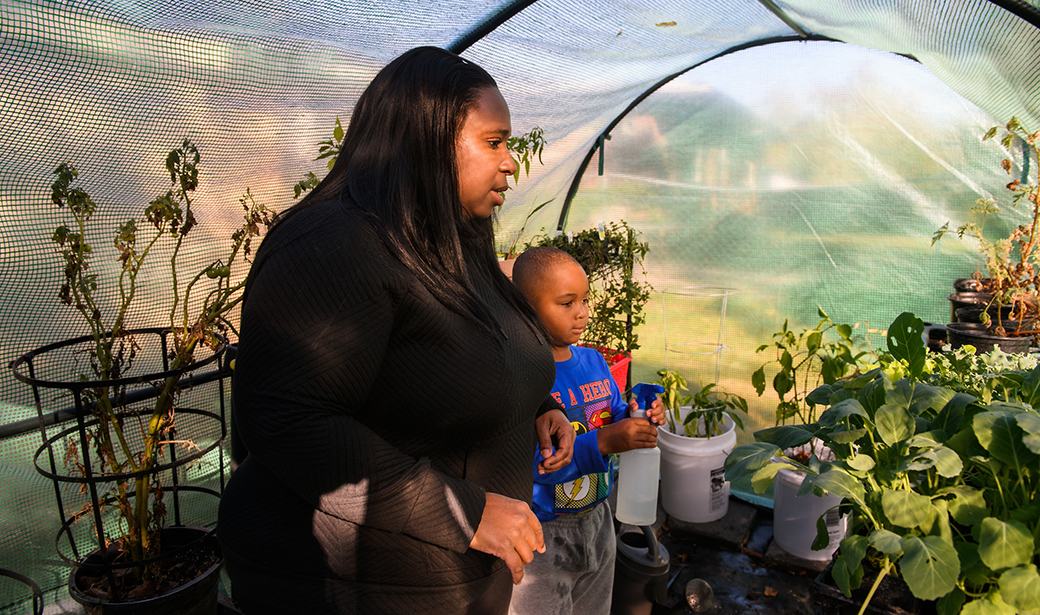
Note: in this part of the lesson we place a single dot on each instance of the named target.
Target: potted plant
(936, 456)
(804, 359)
(132, 438)
(1012, 283)
(612, 256)
(699, 434)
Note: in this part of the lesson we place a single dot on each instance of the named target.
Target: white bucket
(794, 518)
(693, 475)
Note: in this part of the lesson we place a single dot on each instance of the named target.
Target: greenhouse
(772, 201)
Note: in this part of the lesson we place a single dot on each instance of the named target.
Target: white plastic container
(637, 486)
(693, 475)
(794, 518)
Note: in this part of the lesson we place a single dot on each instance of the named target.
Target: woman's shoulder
(329, 238)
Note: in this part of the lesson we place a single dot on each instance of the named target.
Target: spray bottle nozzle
(645, 393)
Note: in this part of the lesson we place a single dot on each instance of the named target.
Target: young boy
(575, 575)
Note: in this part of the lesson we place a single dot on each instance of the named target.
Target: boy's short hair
(535, 265)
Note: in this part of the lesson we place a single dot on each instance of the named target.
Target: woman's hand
(510, 531)
(554, 428)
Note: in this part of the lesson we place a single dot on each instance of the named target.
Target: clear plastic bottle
(639, 470)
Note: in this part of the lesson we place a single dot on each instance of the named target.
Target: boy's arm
(587, 460)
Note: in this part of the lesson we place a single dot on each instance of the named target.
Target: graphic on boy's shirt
(585, 491)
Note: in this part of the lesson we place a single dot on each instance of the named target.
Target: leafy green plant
(200, 303)
(611, 256)
(806, 358)
(943, 483)
(329, 148)
(1013, 262)
(524, 149)
(708, 407)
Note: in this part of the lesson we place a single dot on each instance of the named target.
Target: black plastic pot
(961, 300)
(640, 573)
(976, 334)
(197, 597)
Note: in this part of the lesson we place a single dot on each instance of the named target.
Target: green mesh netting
(798, 174)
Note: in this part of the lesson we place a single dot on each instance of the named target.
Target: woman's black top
(375, 420)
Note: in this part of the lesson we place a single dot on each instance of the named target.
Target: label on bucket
(836, 526)
(719, 493)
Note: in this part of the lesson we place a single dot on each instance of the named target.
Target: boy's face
(562, 303)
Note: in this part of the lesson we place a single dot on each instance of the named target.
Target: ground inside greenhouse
(736, 557)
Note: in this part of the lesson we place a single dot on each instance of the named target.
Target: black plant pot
(976, 334)
(968, 299)
(180, 544)
(974, 313)
(892, 597)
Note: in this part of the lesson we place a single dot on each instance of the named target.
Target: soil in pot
(187, 583)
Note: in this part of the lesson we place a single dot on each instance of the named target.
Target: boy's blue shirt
(591, 399)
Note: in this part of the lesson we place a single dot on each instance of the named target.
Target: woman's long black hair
(398, 163)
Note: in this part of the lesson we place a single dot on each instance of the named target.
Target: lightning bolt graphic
(577, 487)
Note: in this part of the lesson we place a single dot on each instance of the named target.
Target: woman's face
(483, 159)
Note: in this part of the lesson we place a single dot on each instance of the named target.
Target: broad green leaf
(1030, 423)
(823, 536)
(906, 508)
(841, 484)
(951, 603)
(946, 462)
(842, 410)
(906, 343)
(927, 439)
(748, 458)
(1029, 390)
(968, 505)
(887, 542)
(812, 341)
(847, 571)
(847, 436)
(1020, 588)
(761, 479)
(758, 380)
(863, 463)
(1004, 544)
(894, 423)
(786, 436)
(929, 400)
(821, 395)
(990, 604)
(998, 432)
(929, 566)
(950, 417)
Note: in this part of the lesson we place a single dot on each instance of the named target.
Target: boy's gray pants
(575, 575)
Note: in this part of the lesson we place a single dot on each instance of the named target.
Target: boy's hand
(655, 414)
(625, 435)
(554, 428)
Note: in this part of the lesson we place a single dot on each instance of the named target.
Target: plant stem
(877, 583)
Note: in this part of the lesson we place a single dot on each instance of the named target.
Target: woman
(388, 374)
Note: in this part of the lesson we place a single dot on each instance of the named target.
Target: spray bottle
(639, 471)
